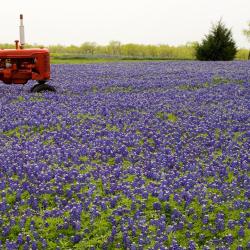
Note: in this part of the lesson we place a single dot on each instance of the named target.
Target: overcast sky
(172, 22)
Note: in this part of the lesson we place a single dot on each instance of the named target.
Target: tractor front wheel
(41, 87)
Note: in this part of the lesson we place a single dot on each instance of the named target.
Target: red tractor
(20, 65)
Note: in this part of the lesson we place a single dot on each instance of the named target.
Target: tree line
(217, 45)
(130, 50)
(117, 49)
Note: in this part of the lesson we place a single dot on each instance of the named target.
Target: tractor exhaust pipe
(21, 30)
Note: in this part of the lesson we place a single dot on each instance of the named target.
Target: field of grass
(74, 60)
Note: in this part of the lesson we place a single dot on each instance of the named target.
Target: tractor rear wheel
(41, 87)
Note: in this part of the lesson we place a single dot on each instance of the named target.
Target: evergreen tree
(218, 45)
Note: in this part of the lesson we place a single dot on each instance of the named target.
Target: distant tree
(218, 45)
(88, 48)
(132, 50)
(114, 48)
(246, 32)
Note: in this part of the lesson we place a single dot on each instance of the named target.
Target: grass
(62, 58)
(167, 116)
(80, 60)
(26, 131)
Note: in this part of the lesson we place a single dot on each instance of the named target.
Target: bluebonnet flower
(20, 239)
(205, 219)
(192, 245)
(229, 239)
(34, 245)
(241, 232)
(157, 206)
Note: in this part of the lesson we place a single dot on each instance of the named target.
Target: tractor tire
(32, 89)
(41, 81)
(41, 87)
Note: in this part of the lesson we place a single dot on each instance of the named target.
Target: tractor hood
(20, 53)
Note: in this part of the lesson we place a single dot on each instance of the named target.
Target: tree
(88, 48)
(114, 48)
(218, 45)
(246, 32)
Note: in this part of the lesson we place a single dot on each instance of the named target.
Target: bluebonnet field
(151, 155)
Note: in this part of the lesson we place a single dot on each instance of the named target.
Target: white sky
(172, 22)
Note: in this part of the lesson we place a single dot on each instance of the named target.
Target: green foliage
(242, 54)
(49, 142)
(130, 178)
(172, 117)
(111, 161)
(217, 153)
(167, 116)
(218, 45)
(18, 99)
(17, 131)
(111, 127)
(126, 163)
(83, 158)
